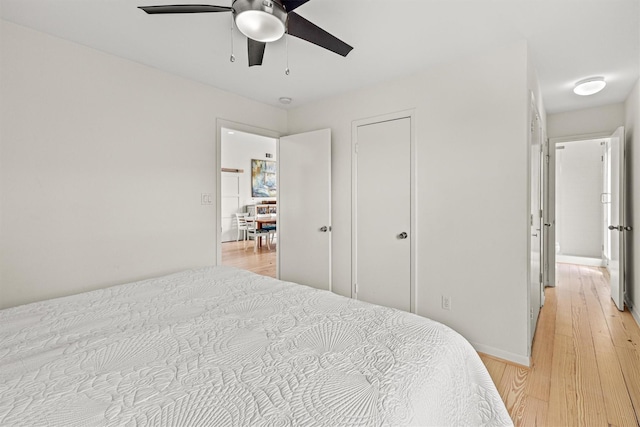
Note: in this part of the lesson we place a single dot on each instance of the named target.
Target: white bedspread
(219, 346)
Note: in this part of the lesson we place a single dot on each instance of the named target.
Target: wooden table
(266, 220)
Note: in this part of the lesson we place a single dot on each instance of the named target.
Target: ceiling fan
(264, 21)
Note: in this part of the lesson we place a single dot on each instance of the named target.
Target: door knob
(628, 228)
(324, 229)
(613, 227)
(546, 224)
(403, 235)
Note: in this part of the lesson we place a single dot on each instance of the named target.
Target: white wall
(583, 122)
(102, 164)
(238, 149)
(632, 128)
(534, 87)
(579, 213)
(472, 155)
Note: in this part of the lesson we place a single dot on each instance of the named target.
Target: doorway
(589, 178)
(581, 202)
(233, 195)
(302, 213)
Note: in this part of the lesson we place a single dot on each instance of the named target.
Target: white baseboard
(501, 354)
(633, 310)
(570, 259)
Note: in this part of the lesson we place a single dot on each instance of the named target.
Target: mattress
(219, 346)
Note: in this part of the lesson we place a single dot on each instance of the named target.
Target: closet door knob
(402, 235)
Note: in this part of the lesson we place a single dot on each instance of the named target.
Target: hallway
(585, 363)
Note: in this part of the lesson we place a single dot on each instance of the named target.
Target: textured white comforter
(219, 346)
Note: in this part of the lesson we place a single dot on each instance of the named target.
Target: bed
(220, 346)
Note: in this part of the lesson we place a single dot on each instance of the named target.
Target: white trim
(413, 274)
(240, 127)
(577, 138)
(501, 354)
(570, 259)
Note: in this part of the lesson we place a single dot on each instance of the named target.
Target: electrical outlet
(206, 199)
(446, 302)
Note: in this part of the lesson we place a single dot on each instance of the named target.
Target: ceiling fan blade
(289, 5)
(301, 28)
(256, 51)
(185, 8)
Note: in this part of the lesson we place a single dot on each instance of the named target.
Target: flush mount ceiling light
(589, 86)
(285, 100)
(260, 20)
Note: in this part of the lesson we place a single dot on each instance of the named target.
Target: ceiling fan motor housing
(261, 20)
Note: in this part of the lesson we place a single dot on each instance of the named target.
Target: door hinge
(355, 288)
(546, 158)
(540, 278)
(356, 148)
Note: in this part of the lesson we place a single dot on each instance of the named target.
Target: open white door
(617, 226)
(549, 214)
(304, 208)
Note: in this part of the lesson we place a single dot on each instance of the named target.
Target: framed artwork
(263, 178)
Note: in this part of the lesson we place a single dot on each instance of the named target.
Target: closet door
(535, 222)
(382, 213)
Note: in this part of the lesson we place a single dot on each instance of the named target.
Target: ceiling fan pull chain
(286, 41)
(232, 58)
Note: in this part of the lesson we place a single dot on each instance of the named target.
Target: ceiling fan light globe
(260, 26)
(589, 86)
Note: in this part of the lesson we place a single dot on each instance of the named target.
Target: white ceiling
(569, 40)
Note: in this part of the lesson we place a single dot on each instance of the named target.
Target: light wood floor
(585, 363)
(263, 262)
(586, 354)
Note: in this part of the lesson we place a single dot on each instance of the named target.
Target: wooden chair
(243, 225)
(272, 229)
(257, 234)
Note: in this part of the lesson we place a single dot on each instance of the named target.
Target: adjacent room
(319, 212)
(249, 201)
